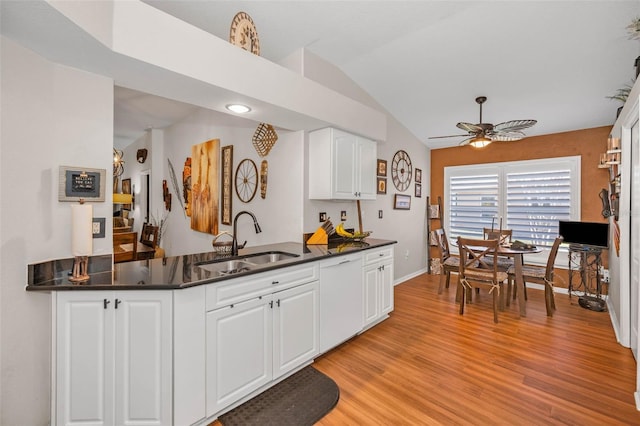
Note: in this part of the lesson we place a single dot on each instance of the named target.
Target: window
(529, 197)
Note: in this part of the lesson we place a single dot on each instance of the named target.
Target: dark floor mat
(302, 399)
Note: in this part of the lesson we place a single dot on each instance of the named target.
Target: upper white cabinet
(113, 358)
(342, 166)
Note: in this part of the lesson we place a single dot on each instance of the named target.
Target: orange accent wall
(588, 143)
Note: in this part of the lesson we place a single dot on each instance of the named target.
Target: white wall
(279, 213)
(51, 115)
(407, 227)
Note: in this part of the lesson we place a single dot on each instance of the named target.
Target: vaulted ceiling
(426, 61)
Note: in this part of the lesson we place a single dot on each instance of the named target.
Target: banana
(342, 232)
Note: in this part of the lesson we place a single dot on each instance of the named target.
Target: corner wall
(51, 115)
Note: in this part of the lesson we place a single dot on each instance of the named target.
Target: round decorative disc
(244, 34)
(401, 170)
(246, 180)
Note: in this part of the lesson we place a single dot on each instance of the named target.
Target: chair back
(551, 260)
(504, 235)
(149, 235)
(478, 256)
(120, 239)
(443, 244)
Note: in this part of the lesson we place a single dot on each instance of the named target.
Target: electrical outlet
(323, 216)
(379, 214)
(96, 227)
(406, 255)
(343, 215)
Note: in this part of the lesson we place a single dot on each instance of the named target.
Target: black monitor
(594, 234)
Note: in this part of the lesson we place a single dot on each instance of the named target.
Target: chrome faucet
(234, 244)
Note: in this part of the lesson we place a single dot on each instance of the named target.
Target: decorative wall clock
(246, 180)
(244, 34)
(401, 170)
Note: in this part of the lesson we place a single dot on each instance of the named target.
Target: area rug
(302, 399)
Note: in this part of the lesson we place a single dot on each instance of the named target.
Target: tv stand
(584, 275)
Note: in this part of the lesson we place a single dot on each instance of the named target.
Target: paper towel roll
(81, 229)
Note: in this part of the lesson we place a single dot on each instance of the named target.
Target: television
(594, 234)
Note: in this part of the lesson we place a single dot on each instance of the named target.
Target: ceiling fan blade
(449, 136)
(507, 136)
(468, 127)
(514, 125)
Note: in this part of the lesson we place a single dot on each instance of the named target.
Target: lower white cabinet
(256, 341)
(112, 358)
(377, 285)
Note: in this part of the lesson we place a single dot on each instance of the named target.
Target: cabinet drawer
(244, 288)
(372, 256)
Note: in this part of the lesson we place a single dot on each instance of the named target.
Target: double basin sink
(228, 266)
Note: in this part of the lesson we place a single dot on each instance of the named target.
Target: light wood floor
(428, 365)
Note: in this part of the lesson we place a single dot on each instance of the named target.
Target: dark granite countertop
(178, 271)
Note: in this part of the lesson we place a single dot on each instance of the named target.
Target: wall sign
(77, 183)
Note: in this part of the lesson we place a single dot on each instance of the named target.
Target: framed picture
(227, 179)
(382, 168)
(418, 190)
(382, 185)
(402, 202)
(76, 183)
(126, 189)
(418, 176)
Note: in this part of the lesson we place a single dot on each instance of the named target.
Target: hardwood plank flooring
(428, 365)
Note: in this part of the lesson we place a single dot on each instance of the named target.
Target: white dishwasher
(341, 299)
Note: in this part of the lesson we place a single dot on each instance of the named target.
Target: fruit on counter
(342, 232)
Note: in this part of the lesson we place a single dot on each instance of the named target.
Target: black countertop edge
(179, 272)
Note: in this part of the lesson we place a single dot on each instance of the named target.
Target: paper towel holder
(79, 271)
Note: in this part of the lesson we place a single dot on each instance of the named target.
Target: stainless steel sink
(269, 257)
(227, 266)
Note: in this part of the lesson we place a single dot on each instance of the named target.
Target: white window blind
(529, 197)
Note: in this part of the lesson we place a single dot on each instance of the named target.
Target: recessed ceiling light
(238, 108)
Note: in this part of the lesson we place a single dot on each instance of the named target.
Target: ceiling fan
(482, 134)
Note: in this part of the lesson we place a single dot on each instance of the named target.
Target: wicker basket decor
(264, 138)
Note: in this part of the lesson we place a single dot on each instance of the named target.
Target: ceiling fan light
(480, 142)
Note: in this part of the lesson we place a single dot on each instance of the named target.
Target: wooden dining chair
(127, 253)
(149, 235)
(504, 237)
(475, 272)
(449, 263)
(538, 274)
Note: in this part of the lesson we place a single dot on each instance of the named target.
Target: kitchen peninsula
(183, 339)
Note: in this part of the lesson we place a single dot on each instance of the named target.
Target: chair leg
(443, 276)
(448, 278)
(462, 297)
(509, 289)
(495, 306)
(549, 299)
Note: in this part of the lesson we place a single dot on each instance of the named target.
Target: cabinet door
(344, 165)
(371, 293)
(143, 357)
(83, 358)
(366, 172)
(239, 351)
(386, 288)
(295, 327)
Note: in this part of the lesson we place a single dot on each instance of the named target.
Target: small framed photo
(76, 183)
(418, 190)
(418, 176)
(382, 168)
(402, 202)
(126, 189)
(382, 185)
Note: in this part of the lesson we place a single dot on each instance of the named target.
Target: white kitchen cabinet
(295, 327)
(252, 342)
(377, 285)
(342, 166)
(112, 358)
(239, 351)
